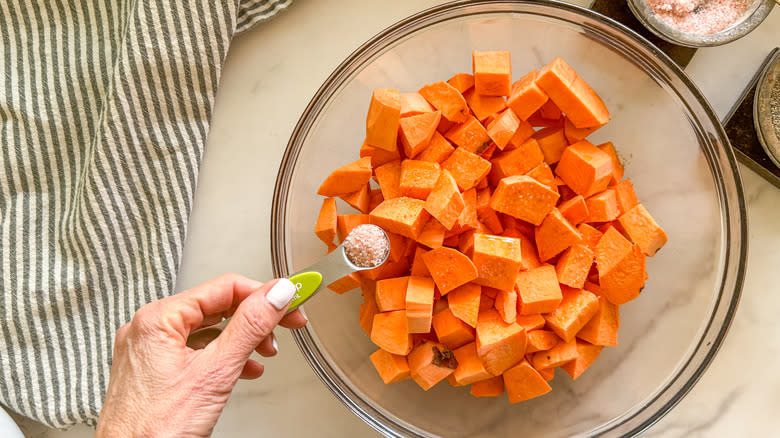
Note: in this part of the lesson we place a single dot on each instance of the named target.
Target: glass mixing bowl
(675, 152)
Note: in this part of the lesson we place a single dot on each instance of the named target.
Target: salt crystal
(366, 246)
(700, 16)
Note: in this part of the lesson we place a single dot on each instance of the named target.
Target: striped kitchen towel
(104, 112)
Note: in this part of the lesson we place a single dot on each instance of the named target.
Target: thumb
(254, 319)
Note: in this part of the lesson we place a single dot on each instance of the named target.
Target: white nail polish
(281, 294)
(273, 342)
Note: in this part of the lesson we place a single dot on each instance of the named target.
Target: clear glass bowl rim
(717, 151)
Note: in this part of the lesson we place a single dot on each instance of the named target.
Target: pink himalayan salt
(366, 246)
(700, 16)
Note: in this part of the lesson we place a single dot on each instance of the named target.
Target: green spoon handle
(307, 283)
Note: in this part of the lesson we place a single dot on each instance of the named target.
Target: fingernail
(274, 343)
(281, 294)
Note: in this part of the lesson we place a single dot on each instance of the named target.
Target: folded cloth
(104, 112)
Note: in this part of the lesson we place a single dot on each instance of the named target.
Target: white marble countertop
(270, 75)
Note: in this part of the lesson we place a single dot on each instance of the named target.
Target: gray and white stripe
(104, 112)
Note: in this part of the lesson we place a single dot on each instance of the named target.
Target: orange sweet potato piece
(602, 207)
(418, 266)
(492, 72)
(572, 95)
(621, 267)
(445, 98)
(359, 200)
(602, 329)
(554, 235)
(531, 322)
(449, 268)
(398, 246)
(574, 265)
(550, 111)
(445, 202)
(547, 373)
(522, 134)
(390, 332)
(437, 151)
(462, 81)
(404, 216)
(523, 382)
(468, 217)
(499, 345)
(517, 161)
(377, 155)
(368, 308)
(590, 235)
(325, 228)
(413, 104)
(617, 166)
(345, 283)
(526, 97)
(536, 120)
(492, 387)
(497, 259)
(467, 168)
(484, 106)
(418, 178)
(577, 308)
(574, 134)
(464, 302)
(586, 355)
(544, 175)
(469, 135)
(485, 214)
(552, 142)
(524, 198)
(506, 305)
(541, 340)
(388, 269)
(642, 229)
(538, 290)
(388, 176)
(575, 210)
(416, 132)
(347, 179)
(585, 168)
(432, 234)
(626, 197)
(561, 354)
(530, 256)
(503, 128)
(346, 222)
(391, 367)
(419, 304)
(430, 363)
(450, 330)
(391, 294)
(470, 368)
(384, 113)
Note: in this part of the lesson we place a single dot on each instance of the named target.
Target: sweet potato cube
(574, 134)
(642, 229)
(572, 95)
(586, 355)
(469, 135)
(347, 179)
(416, 132)
(554, 235)
(413, 104)
(603, 207)
(574, 265)
(577, 308)
(524, 132)
(432, 234)
(585, 168)
(345, 283)
(437, 151)
(492, 387)
(445, 98)
(464, 303)
(462, 81)
(388, 176)
(517, 161)
(485, 213)
(419, 304)
(445, 202)
(617, 166)
(626, 197)
(377, 155)
(538, 290)
(404, 216)
(524, 198)
(326, 225)
(418, 178)
(550, 111)
(621, 267)
(523, 382)
(602, 329)
(561, 354)
(391, 294)
(590, 235)
(541, 340)
(503, 128)
(544, 175)
(384, 113)
(575, 210)
(530, 255)
(499, 345)
(506, 305)
(526, 97)
(484, 106)
(391, 367)
(470, 368)
(468, 217)
(531, 322)
(467, 168)
(359, 200)
(497, 259)
(492, 72)
(368, 308)
(346, 222)
(450, 330)
(449, 268)
(390, 332)
(552, 142)
(430, 363)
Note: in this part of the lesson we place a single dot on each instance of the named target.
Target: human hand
(160, 387)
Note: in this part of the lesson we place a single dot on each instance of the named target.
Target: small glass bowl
(675, 151)
(754, 15)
